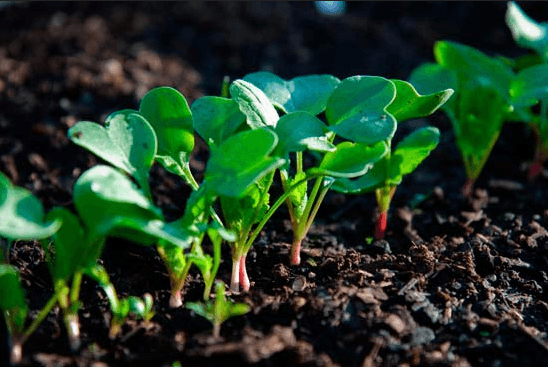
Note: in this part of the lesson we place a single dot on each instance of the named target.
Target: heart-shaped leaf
(241, 160)
(307, 93)
(357, 109)
(168, 113)
(412, 150)
(109, 204)
(409, 104)
(127, 141)
(526, 32)
(298, 131)
(470, 63)
(254, 104)
(22, 214)
(216, 118)
(430, 78)
(350, 159)
(13, 297)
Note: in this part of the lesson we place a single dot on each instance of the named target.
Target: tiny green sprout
(22, 216)
(388, 172)
(481, 103)
(127, 141)
(15, 310)
(219, 310)
(121, 308)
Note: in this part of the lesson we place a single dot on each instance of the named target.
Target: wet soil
(457, 282)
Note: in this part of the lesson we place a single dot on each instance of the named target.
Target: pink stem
(380, 229)
(244, 279)
(296, 253)
(235, 278)
(534, 170)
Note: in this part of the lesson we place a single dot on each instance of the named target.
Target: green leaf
(109, 203)
(298, 131)
(127, 141)
(409, 104)
(412, 150)
(480, 115)
(13, 297)
(22, 214)
(167, 111)
(241, 160)
(307, 93)
(350, 159)
(431, 78)
(71, 244)
(470, 63)
(526, 32)
(530, 86)
(357, 109)
(216, 118)
(241, 213)
(254, 104)
(373, 179)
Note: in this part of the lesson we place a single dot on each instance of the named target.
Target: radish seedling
(219, 310)
(387, 174)
(481, 103)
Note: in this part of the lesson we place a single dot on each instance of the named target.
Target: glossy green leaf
(127, 141)
(371, 180)
(254, 104)
(307, 93)
(241, 160)
(13, 297)
(470, 63)
(526, 32)
(409, 104)
(22, 214)
(70, 244)
(298, 131)
(109, 203)
(413, 149)
(357, 109)
(168, 113)
(431, 78)
(216, 118)
(530, 86)
(350, 159)
(480, 115)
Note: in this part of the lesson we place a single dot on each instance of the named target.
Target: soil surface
(457, 282)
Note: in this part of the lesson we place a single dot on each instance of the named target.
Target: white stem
(235, 279)
(175, 300)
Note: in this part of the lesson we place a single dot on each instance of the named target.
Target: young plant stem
(17, 341)
(302, 224)
(235, 277)
(384, 197)
(216, 262)
(272, 209)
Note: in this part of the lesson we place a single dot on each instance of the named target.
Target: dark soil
(456, 283)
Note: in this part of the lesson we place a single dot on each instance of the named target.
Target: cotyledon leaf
(306, 93)
(254, 104)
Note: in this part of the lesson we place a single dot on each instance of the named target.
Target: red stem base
(534, 170)
(296, 253)
(380, 229)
